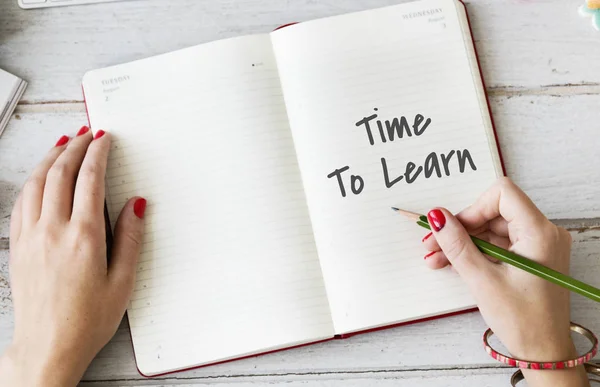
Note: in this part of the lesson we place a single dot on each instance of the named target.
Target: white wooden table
(541, 65)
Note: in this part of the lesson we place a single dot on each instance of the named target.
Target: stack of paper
(11, 90)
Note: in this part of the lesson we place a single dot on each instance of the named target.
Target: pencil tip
(408, 214)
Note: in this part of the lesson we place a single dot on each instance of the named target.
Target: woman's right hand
(529, 315)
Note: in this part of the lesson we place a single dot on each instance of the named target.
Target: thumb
(128, 234)
(457, 245)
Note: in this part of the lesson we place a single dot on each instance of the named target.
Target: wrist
(570, 377)
(560, 349)
(20, 366)
(551, 349)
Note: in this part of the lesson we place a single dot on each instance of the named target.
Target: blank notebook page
(403, 61)
(229, 264)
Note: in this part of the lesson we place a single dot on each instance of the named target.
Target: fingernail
(84, 129)
(99, 134)
(426, 237)
(429, 255)
(139, 207)
(62, 141)
(437, 220)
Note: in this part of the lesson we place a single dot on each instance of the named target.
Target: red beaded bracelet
(545, 365)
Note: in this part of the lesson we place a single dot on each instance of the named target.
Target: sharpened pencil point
(408, 214)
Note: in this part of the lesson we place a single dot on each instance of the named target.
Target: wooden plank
(448, 378)
(443, 344)
(521, 44)
(6, 310)
(549, 150)
(539, 93)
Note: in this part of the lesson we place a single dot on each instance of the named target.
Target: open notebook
(270, 163)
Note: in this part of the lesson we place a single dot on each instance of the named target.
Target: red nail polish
(437, 220)
(99, 134)
(62, 141)
(139, 208)
(84, 129)
(429, 255)
(426, 237)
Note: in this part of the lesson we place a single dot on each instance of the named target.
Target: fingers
(60, 183)
(33, 190)
(431, 244)
(458, 247)
(498, 226)
(88, 200)
(436, 260)
(129, 231)
(495, 239)
(504, 199)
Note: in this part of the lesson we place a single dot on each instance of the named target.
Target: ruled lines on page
(229, 264)
(386, 113)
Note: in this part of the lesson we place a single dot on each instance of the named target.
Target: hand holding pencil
(530, 315)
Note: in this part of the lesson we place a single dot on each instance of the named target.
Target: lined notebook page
(229, 264)
(404, 60)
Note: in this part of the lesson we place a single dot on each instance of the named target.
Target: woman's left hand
(68, 300)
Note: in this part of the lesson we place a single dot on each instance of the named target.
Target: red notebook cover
(342, 336)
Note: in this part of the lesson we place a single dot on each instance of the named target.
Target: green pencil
(521, 262)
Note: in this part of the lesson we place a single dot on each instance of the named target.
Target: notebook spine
(487, 98)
